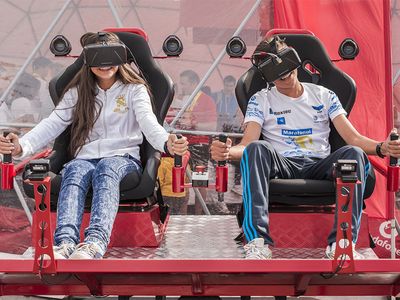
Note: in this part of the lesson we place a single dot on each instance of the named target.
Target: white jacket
(126, 113)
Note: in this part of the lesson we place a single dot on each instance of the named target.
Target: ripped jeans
(104, 175)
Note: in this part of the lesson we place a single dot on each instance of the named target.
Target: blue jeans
(105, 176)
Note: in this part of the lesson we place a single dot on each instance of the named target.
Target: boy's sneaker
(256, 249)
(86, 251)
(330, 252)
(64, 250)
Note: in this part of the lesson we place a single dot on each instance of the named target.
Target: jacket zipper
(104, 123)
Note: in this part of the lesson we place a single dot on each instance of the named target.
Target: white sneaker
(256, 249)
(330, 252)
(64, 250)
(87, 251)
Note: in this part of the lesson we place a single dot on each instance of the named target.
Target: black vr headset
(274, 66)
(105, 54)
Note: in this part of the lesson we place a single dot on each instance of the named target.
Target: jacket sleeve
(51, 127)
(154, 132)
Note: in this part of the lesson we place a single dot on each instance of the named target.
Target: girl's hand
(177, 146)
(10, 144)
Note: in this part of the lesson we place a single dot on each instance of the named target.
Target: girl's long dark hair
(87, 109)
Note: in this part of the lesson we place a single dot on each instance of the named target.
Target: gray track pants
(260, 162)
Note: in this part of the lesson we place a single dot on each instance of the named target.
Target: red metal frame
(178, 178)
(42, 230)
(10, 170)
(201, 277)
(343, 261)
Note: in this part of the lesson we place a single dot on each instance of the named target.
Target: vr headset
(105, 55)
(275, 66)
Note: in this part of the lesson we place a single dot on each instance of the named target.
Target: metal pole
(17, 125)
(229, 134)
(396, 76)
(115, 13)
(22, 201)
(39, 44)
(393, 239)
(213, 66)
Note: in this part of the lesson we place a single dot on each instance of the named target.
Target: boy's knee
(354, 152)
(258, 146)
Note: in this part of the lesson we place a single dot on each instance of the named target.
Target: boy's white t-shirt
(296, 126)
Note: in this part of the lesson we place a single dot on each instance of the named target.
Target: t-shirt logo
(297, 132)
(281, 121)
(121, 106)
(318, 108)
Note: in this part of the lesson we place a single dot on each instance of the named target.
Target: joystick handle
(222, 138)
(178, 158)
(6, 157)
(394, 137)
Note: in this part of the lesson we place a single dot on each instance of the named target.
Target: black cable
(342, 260)
(337, 270)
(345, 207)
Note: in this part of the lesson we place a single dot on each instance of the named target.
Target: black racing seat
(316, 68)
(133, 188)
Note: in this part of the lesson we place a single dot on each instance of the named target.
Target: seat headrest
(312, 53)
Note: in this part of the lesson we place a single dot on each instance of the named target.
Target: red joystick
(178, 173)
(7, 171)
(221, 171)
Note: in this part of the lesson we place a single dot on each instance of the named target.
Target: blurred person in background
(42, 71)
(177, 202)
(200, 115)
(229, 119)
(24, 99)
(56, 69)
(229, 115)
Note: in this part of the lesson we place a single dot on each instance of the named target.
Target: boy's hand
(220, 151)
(391, 148)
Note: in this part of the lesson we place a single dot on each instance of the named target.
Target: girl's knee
(79, 165)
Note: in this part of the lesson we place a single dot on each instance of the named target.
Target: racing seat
(133, 189)
(316, 68)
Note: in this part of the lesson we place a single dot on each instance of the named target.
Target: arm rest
(20, 166)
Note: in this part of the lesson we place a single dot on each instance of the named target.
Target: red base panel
(132, 229)
(308, 230)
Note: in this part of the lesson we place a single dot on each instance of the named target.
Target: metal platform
(209, 237)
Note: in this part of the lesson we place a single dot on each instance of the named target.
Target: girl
(108, 108)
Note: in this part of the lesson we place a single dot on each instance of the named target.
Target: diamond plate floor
(209, 237)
